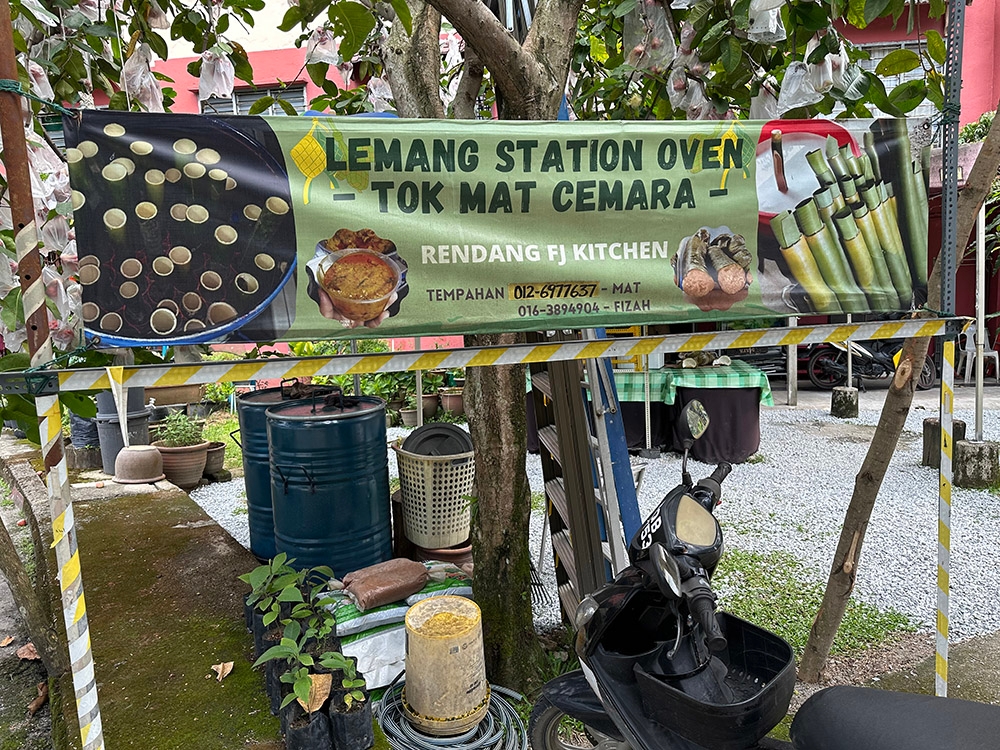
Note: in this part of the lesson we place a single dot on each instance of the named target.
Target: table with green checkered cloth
(663, 383)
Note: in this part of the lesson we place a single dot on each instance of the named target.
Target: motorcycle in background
(661, 669)
(875, 359)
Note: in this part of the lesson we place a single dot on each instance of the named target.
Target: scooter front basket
(761, 675)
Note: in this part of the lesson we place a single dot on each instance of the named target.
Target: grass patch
(538, 501)
(776, 592)
(393, 485)
(218, 427)
(757, 458)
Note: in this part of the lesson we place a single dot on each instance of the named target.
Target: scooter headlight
(584, 613)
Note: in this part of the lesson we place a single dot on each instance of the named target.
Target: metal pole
(980, 316)
(792, 369)
(850, 358)
(29, 269)
(357, 378)
(420, 388)
(949, 251)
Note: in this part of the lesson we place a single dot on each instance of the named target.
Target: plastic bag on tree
(155, 16)
(51, 171)
(8, 278)
(648, 38)
(40, 85)
(54, 234)
(682, 4)
(379, 94)
(698, 106)
(217, 76)
(90, 8)
(757, 6)
(323, 47)
(766, 26)
(797, 89)
(139, 81)
(764, 106)
(55, 290)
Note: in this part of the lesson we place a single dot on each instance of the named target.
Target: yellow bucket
(446, 691)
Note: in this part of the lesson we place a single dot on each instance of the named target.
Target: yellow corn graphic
(309, 156)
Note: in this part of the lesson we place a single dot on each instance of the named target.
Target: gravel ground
(792, 497)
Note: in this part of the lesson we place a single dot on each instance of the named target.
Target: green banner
(195, 228)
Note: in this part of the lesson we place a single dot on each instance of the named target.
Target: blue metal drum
(330, 482)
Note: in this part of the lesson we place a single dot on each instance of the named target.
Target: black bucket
(250, 410)
(106, 408)
(330, 482)
(109, 435)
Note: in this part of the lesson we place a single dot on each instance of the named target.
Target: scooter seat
(853, 718)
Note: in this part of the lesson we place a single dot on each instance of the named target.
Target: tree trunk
(494, 398)
(897, 405)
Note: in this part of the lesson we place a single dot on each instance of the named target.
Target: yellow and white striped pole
(944, 518)
(29, 269)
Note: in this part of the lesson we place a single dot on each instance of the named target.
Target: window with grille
(878, 52)
(243, 99)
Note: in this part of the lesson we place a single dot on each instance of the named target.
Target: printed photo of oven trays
(185, 229)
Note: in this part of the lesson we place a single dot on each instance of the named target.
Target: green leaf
(317, 73)
(909, 95)
(82, 406)
(354, 22)
(292, 631)
(878, 96)
(731, 55)
(898, 61)
(287, 108)
(118, 100)
(15, 361)
(403, 14)
(938, 8)
(257, 576)
(624, 8)
(301, 689)
(275, 652)
(290, 594)
(194, 68)
(243, 68)
(261, 105)
(223, 25)
(293, 16)
(270, 617)
(936, 47)
(288, 699)
(714, 34)
(698, 13)
(809, 16)
(874, 9)
(156, 43)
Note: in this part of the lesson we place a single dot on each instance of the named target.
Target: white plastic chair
(968, 356)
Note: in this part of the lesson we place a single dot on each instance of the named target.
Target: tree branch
(413, 64)
(468, 88)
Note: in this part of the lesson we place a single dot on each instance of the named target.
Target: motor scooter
(875, 359)
(662, 669)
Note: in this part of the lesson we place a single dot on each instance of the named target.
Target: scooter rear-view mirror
(692, 423)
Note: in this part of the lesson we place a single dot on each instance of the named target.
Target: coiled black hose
(500, 729)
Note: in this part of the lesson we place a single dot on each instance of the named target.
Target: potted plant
(452, 401)
(409, 412)
(432, 382)
(183, 449)
(350, 711)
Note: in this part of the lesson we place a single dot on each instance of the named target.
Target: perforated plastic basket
(434, 490)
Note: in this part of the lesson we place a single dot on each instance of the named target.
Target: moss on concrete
(164, 606)
(17, 732)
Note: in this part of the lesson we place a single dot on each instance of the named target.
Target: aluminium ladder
(590, 484)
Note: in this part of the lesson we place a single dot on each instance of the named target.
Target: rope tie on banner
(15, 87)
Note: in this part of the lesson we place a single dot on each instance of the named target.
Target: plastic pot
(352, 728)
(307, 731)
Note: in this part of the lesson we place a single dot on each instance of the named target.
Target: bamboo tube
(77, 200)
(861, 260)
(892, 245)
(88, 260)
(246, 283)
(829, 258)
(230, 184)
(197, 218)
(115, 181)
(162, 321)
(197, 184)
(263, 261)
(163, 266)
(868, 172)
(90, 312)
(85, 169)
(172, 175)
(154, 179)
(114, 222)
(869, 141)
(217, 183)
(274, 211)
(128, 290)
(210, 281)
(251, 212)
(141, 149)
(131, 268)
(838, 165)
(150, 226)
(193, 326)
(89, 274)
(849, 189)
(225, 238)
(184, 150)
(799, 258)
(125, 162)
(192, 302)
(913, 227)
(208, 156)
(111, 322)
(114, 130)
(220, 313)
(169, 304)
(865, 225)
(181, 258)
(820, 166)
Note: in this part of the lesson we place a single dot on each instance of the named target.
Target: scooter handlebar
(721, 472)
(703, 610)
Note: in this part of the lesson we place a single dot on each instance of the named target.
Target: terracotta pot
(215, 458)
(185, 465)
(457, 555)
(429, 403)
(409, 417)
(451, 400)
(138, 464)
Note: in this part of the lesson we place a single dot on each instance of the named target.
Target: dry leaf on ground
(222, 670)
(6, 641)
(37, 703)
(319, 691)
(28, 651)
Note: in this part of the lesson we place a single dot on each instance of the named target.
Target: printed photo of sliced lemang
(713, 267)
